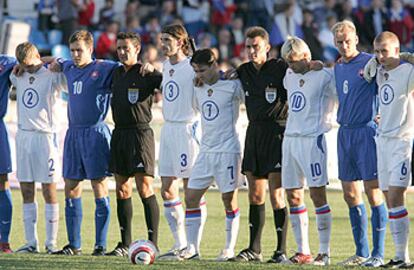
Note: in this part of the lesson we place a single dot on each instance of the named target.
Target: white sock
(203, 209)
(52, 224)
(400, 229)
(30, 223)
(232, 228)
(324, 225)
(300, 225)
(174, 213)
(193, 221)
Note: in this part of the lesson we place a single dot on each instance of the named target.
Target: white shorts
(37, 157)
(178, 149)
(304, 158)
(224, 168)
(394, 162)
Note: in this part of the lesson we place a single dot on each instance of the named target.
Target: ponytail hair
(178, 32)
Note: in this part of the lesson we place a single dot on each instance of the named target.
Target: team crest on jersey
(301, 82)
(210, 92)
(271, 94)
(386, 76)
(133, 95)
(171, 72)
(31, 79)
(361, 73)
(345, 87)
(94, 74)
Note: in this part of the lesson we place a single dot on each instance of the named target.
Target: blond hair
(387, 36)
(82, 35)
(342, 26)
(295, 46)
(25, 51)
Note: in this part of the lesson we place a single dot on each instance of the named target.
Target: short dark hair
(80, 35)
(203, 57)
(134, 37)
(257, 31)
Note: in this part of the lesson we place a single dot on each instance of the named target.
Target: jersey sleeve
(13, 79)
(411, 80)
(59, 82)
(330, 86)
(239, 92)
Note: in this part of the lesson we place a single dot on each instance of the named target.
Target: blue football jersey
(6, 66)
(357, 98)
(89, 90)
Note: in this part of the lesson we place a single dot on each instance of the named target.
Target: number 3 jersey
(36, 99)
(311, 98)
(219, 106)
(396, 95)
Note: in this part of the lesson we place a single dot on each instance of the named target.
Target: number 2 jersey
(36, 99)
(219, 106)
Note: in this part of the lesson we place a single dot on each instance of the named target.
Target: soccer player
(395, 81)
(37, 155)
(311, 98)
(219, 158)
(262, 81)
(178, 145)
(132, 142)
(6, 65)
(356, 146)
(86, 147)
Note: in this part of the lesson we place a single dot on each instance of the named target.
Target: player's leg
(51, 216)
(5, 214)
(144, 184)
(102, 214)
(232, 224)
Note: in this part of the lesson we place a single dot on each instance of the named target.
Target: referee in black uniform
(132, 143)
(266, 100)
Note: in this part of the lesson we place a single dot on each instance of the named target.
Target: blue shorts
(86, 153)
(357, 155)
(5, 157)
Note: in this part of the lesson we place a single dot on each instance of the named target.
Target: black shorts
(263, 149)
(132, 151)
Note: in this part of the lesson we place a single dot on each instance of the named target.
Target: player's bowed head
(204, 63)
(28, 57)
(297, 55)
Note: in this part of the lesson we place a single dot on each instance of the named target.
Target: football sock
(203, 209)
(359, 223)
(193, 226)
(124, 211)
(324, 225)
(174, 213)
(280, 220)
(73, 215)
(257, 217)
(400, 229)
(30, 223)
(102, 217)
(52, 224)
(6, 206)
(379, 225)
(152, 217)
(232, 228)
(300, 225)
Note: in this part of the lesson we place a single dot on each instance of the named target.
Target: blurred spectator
(68, 17)
(326, 38)
(131, 9)
(45, 10)
(86, 12)
(106, 45)
(168, 12)
(284, 25)
(151, 29)
(151, 56)
(260, 12)
(195, 15)
(238, 35)
(375, 22)
(222, 12)
(134, 25)
(310, 35)
(401, 23)
(321, 14)
(225, 45)
(206, 40)
(106, 14)
(147, 8)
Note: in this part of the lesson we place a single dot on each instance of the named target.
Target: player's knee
(28, 195)
(256, 198)
(351, 198)
(168, 194)
(145, 191)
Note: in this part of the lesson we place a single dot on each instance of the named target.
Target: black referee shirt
(132, 96)
(265, 94)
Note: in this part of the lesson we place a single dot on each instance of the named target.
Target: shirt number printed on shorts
(30, 98)
(316, 169)
(298, 101)
(386, 94)
(77, 87)
(230, 168)
(210, 110)
(183, 160)
(404, 170)
(51, 167)
(171, 91)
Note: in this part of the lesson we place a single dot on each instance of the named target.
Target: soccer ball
(142, 252)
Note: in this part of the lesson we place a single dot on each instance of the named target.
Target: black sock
(256, 222)
(152, 217)
(124, 210)
(281, 221)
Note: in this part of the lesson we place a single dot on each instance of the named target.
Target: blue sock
(359, 222)
(6, 206)
(73, 214)
(379, 224)
(102, 216)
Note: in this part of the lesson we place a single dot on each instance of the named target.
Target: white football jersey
(396, 98)
(36, 99)
(219, 107)
(311, 98)
(178, 92)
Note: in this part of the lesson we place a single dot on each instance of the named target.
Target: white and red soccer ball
(142, 252)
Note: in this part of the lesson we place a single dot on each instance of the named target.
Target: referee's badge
(133, 95)
(270, 94)
(301, 82)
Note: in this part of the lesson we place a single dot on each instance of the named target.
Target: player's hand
(18, 70)
(146, 68)
(55, 67)
(198, 82)
(377, 119)
(231, 74)
(370, 69)
(408, 57)
(315, 65)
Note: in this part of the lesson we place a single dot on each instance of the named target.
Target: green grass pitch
(213, 239)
